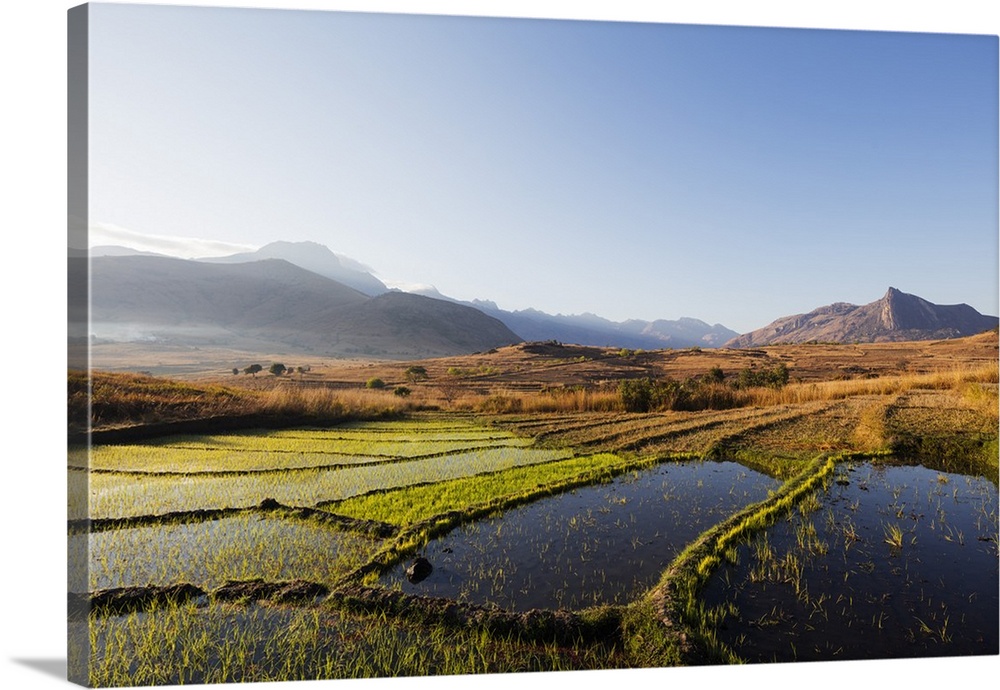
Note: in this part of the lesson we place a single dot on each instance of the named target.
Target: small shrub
(775, 377)
(416, 373)
(375, 383)
(401, 391)
(636, 394)
(714, 375)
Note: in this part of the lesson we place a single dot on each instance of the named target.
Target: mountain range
(271, 303)
(528, 324)
(304, 297)
(593, 330)
(896, 317)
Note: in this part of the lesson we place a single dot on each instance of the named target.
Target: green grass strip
(420, 502)
(416, 535)
(674, 600)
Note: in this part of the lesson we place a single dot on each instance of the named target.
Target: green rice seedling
(183, 459)
(940, 633)
(690, 570)
(893, 535)
(227, 644)
(415, 503)
(296, 448)
(124, 496)
(210, 553)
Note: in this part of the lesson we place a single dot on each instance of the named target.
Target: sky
(628, 169)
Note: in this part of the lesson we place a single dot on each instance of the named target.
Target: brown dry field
(931, 398)
(535, 366)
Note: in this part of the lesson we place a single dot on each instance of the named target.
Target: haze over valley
(300, 297)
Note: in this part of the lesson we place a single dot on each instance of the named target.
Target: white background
(32, 388)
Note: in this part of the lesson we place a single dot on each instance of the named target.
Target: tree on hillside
(776, 377)
(278, 368)
(253, 369)
(636, 394)
(416, 373)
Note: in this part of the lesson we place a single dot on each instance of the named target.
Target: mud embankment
(124, 600)
(369, 528)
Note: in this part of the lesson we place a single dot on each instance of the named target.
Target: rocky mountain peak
(896, 316)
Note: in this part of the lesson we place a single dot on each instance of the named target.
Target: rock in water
(418, 570)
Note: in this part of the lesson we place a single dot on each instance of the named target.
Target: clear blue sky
(631, 170)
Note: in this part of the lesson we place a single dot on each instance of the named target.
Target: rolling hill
(272, 303)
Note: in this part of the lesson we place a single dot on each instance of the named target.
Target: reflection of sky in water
(936, 595)
(598, 544)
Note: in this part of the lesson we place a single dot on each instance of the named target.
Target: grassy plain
(468, 437)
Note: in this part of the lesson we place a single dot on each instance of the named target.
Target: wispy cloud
(183, 247)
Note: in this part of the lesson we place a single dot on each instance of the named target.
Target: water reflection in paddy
(211, 552)
(892, 562)
(595, 545)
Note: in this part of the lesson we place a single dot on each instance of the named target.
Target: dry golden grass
(129, 399)
(977, 385)
(566, 383)
(870, 432)
(321, 402)
(952, 379)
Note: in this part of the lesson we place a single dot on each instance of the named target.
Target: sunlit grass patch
(185, 458)
(414, 503)
(299, 448)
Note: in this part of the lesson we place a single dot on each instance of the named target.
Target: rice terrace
(537, 507)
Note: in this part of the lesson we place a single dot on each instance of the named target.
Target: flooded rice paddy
(212, 552)
(886, 561)
(187, 473)
(234, 643)
(890, 562)
(600, 544)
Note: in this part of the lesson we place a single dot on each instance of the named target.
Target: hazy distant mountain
(590, 329)
(115, 250)
(529, 324)
(896, 317)
(273, 302)
(316, 258)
